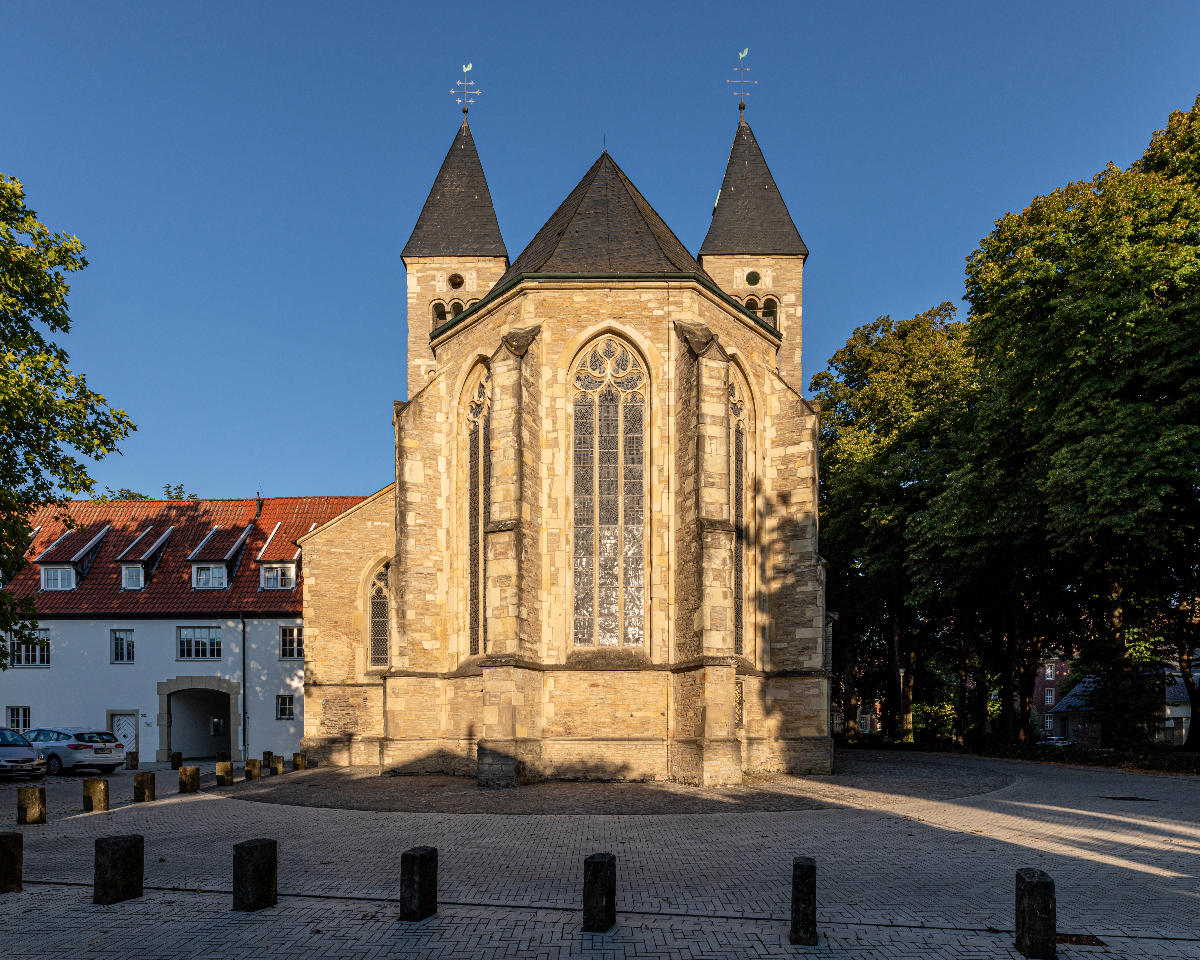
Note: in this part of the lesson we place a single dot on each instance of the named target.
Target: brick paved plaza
(916, 856)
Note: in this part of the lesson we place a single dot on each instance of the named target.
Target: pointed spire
(458, 219)
(605, 226)
(750, 217)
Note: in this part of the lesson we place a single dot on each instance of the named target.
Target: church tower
(754, 251)
(455, 253)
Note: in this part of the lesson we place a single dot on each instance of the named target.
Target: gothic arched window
(479, 480)
(608, 459)
(379, 618)
(741, 502)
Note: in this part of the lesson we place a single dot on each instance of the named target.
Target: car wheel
(54, 766)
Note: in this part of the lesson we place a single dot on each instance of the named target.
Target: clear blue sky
(245, 174)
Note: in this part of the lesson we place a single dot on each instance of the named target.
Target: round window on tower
(455, 281)
(752, 278)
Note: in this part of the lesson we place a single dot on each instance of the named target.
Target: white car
(68, 747)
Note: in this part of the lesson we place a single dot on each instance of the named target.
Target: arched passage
(199, 717)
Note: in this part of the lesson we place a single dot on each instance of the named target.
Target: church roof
(458, 219)
(605, 226)
(750, 217)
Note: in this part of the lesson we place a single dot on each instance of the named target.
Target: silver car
(18, 758)
(68, 747)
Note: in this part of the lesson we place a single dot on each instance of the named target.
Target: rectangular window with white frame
(209, 576)
(199, 643)
(291, 643)
(1049, 671)
(1049, 696)
(132, 577)
(31, 654)
(122, 646)
(18, 718)
(278, 576)
(285, 707)
(58, 578)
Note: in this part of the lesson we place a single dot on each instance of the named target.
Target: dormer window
(132, 577)
(58, 578)
(278, 576)
(209, 576)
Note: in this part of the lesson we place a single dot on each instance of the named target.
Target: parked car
(68, 747)
(18, 757)
(1055, 742)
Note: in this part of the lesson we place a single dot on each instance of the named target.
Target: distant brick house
(1045, 691)
(1073, 717)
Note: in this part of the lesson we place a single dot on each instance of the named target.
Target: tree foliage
(50, 421)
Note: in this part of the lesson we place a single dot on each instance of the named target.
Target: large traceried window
(479, 502)
(608, 458)
(379, 619)
(741, 503)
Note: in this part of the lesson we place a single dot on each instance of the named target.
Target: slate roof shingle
(750, 217)
(606, 227)
(458, 219)
(168, 590)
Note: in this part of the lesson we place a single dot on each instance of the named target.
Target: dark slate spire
(750, 217)
(458, 219)
(605, 226)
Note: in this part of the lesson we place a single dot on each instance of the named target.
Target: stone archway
(181, 684)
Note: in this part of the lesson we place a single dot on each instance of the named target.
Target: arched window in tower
(741, 501)
(752, 305)
(770, 311)
(479, 480)
(456, 308)
(379, 618)
(608, 459)
(439, 314)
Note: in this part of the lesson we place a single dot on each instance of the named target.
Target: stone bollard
(804, 902)
(300, 761)
(1036, 918)
(12, 862)
(176, 760)
(222, 756)
(189, 779)
(276, 766)
(131, 759)
(31, 805)
(120, 868)
(255, 874)
(267, 769)
(599, 892)
(224, 773)
(95, 796)
(418, 883)
(253, 770)
(143, 786)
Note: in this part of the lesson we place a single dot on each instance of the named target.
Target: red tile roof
(168, 589)
(65, 550)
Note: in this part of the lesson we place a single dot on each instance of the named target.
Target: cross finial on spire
(741, 81)
(465, 91)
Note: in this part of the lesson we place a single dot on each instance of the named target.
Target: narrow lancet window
(379, 619)
(479, 479)
(737, 511)
(609, 487)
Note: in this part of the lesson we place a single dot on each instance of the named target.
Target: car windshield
(10, 738)
(98, 737)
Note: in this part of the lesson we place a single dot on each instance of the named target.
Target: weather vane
(741, 80)
(465, 91)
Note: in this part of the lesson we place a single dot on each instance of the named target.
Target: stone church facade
(599, 555)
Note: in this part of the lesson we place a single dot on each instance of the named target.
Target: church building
(599, 555)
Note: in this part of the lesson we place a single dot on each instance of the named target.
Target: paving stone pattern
(905, 868)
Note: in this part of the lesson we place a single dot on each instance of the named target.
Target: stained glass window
(479, 470)
(379, 619)
(609, 492)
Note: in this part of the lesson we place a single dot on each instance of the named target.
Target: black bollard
(95, 796)
(804, 902)
(176, 760)
(120, 868)
(267, 768)
(31, 805)
(255, 874)
(143, 786)
(418, 883)
(12, 861)
(1036, 919)
(599, 892)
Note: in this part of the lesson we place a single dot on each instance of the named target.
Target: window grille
(609, 487)
(479, 503)
(379, 619)
(739, 703)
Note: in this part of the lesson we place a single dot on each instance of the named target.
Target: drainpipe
(245, 706)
